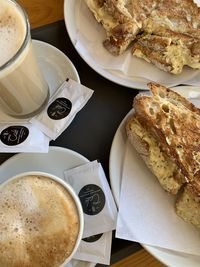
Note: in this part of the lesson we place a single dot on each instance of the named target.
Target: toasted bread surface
(121, 28)
(175, 122)
(188, 205)
(165, 131)
(153, 155)
(172, 25)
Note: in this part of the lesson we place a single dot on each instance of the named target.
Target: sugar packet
(23, 137)
(95, 248)
(90, 184)
(67, 101)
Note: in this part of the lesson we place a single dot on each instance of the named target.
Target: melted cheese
(161, 165)
(138, 53)
(179, 55)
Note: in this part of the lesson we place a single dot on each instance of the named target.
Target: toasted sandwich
(165, 131)
(179, 24)
(167, 123)
(170, 52)
(119, 25)
(146, 24)
(188, 203)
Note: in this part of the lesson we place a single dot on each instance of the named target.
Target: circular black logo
(92, 238)
(59, 108)
(92, 199)
(14, 135)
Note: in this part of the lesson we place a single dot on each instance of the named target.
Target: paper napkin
(146, 211)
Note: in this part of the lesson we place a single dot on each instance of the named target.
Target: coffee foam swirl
(12, 31)
(39, 223)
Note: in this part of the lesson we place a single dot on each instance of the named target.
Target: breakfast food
(165, 33)
(39, 222)
(188, 203)
(165, 130)
(120, 27)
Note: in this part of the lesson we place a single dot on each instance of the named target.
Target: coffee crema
(39, 223)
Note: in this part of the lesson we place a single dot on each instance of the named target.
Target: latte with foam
(12, 32)
(23, 90)
(39, 222)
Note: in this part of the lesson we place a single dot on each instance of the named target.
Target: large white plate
(54, 65)
(167, 257)
(80, 21)
(55, 162)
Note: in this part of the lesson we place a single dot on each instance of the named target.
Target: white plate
(80, 21)
(167, 257)
(55, 162)
(55, 66)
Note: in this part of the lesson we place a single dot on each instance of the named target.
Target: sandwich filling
(161, 165)
(147, 24)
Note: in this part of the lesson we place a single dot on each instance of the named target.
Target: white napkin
(77, 263)
(146, 211)
(89, 38)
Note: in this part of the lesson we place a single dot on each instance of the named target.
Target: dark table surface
(93, 129)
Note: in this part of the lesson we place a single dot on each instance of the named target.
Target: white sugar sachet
(22, 137)
(67, 101)
(95, 248)
(90, 184)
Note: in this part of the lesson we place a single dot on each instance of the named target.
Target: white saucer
(55, 66)
(55, 162)
(168, 257)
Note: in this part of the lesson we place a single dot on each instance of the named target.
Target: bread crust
(140, 145)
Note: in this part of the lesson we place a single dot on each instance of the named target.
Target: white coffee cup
(26, 186)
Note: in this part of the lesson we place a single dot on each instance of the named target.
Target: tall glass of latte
(23, 90)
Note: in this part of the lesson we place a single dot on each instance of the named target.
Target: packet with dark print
(95, 248)
(22, 138)
(67, 101)
(90, 184)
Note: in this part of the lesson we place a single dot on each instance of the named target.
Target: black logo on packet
(92, 238)
(14, 135)
(92, 199)
(59, 108)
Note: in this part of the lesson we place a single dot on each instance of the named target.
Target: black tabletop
(92, 131)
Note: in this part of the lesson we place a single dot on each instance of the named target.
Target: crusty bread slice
(175, 123)
(152, 48)
(120, 26)
(153, 155)
(165, 130)
(169, 53)
(188, 203)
